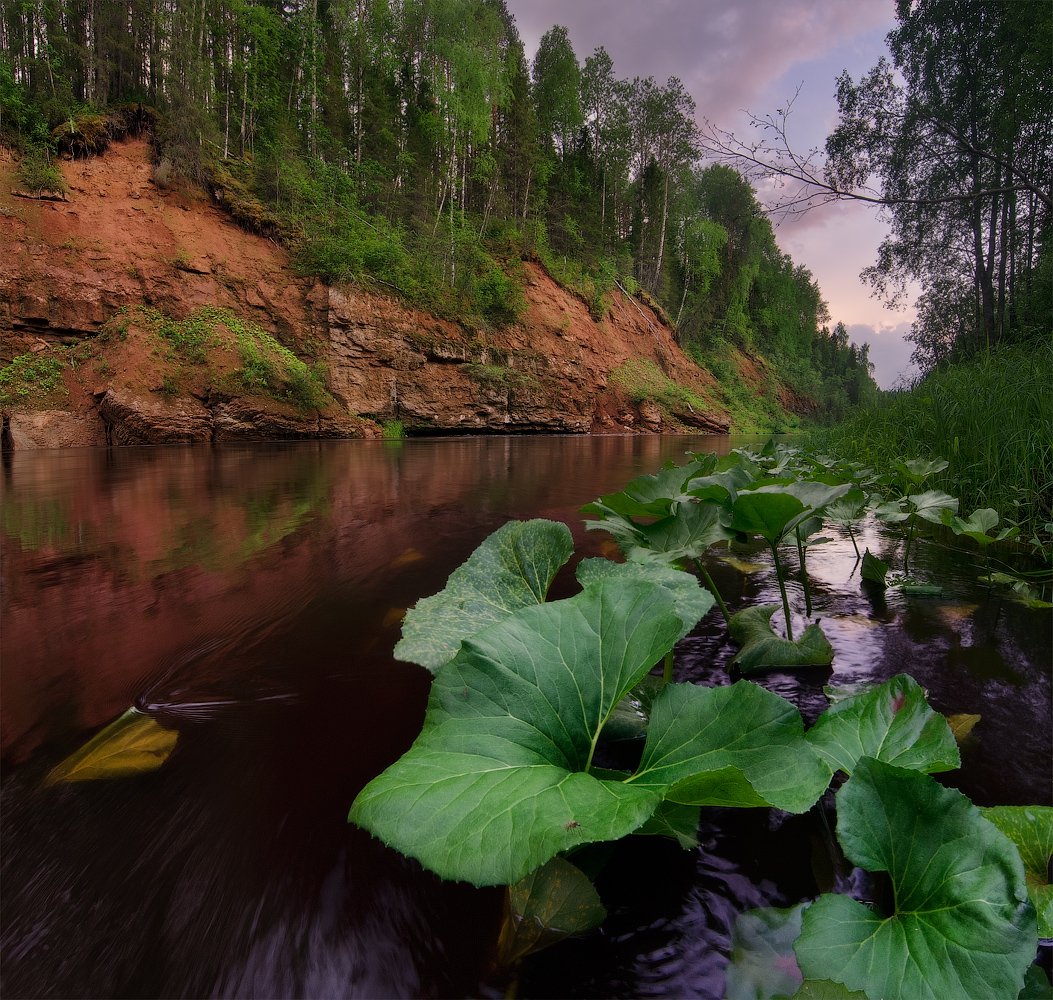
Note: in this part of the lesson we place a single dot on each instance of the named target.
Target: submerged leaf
(1030, 828)
(763, 964)
(133, 744)
(497, 782)
(730, 746)
(763, 650)
(512, 569)
(550, 904)
(825, 989)
(893, 723)
(962, 926)
(962, 725)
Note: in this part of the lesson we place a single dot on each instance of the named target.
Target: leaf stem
(713, 590)
(667, 668)
(910, 538)
(782, 590)
(851, 535)
(804, 575)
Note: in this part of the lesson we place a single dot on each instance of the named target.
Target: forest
(412, 146)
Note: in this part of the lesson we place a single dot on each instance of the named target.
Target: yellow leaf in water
(133, 744)
(407, 557)
(952, 613)
(742, 565)
(962, 725)
(393, 617)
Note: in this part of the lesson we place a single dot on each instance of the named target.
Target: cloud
(888, 350)
(726, 54)
(752, 54)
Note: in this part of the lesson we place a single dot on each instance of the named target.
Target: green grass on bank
(991, 417)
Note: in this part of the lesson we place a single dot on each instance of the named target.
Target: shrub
(36, 173)
(30, 376)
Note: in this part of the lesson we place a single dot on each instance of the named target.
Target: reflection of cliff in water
(179, 575)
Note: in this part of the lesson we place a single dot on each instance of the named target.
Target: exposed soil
(118, 242)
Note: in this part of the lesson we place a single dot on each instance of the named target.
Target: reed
(991, 417)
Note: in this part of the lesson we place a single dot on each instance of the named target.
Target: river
(249, 598)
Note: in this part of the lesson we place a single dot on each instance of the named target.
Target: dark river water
(249, 598)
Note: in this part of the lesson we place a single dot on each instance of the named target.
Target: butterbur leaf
(962, 926)
(825, 989)
(979, 526)
(848, 508)
(1030, 828)
(921, 589)
(650, 496)
(496, 783)
(766, 514)
(1036, 985)
(931, 505)
(694, 529)
(133, 744)
(676, 821)
(553, 903)
(730, 746)
(629, 719)
(919, 469)
(892, 512)
(689, 598)
(512, 569)
(891, 722)
(763, 650)
(763, 965)
(873, 569)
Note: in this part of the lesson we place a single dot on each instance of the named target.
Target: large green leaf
(962, 926)
(689, 599)
(497, 782)
(650, 496)
(919, 469)
(849, 508)
(978, 526)
(132, 744)
(512, 569)
(765, 513)
(763, 650)
(694, 528)
(930, 506)
(553, 903)
(1030, 828)
(730, 746)
(893, 723)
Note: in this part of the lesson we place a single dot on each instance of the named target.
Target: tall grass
(991, 417)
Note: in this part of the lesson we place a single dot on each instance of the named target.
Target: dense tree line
(413, 143)
(952, 136)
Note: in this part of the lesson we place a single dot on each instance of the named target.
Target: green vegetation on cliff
(409, 145)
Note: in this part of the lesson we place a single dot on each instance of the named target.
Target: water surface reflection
(250, 597)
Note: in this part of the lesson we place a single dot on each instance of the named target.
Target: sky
(738, 56)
